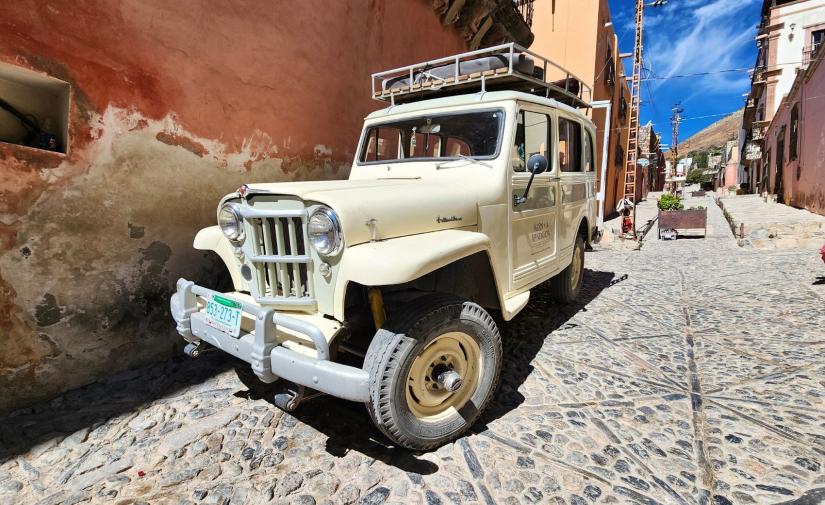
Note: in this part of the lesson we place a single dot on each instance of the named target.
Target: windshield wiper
(465, 158)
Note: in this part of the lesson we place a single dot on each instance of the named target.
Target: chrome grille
(280, 257)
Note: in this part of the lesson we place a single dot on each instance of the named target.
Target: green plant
(670, 202)
(697, 176)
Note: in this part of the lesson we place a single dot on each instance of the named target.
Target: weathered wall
(173, 105)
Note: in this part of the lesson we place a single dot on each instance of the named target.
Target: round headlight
(325, 231)
(231, 223)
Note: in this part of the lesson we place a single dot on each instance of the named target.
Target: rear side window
(570, 145)
(532, 137)
(588, 151)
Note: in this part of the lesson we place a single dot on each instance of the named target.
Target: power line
(715, 72)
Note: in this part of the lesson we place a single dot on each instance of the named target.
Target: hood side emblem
(371, 223)
(449, 219)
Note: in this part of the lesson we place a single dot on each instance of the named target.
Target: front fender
(403, 259)
(213, 239)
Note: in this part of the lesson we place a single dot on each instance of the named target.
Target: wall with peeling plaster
(173, 104)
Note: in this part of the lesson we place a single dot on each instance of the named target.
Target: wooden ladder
(633, 116)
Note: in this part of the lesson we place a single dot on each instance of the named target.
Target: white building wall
(797, 17)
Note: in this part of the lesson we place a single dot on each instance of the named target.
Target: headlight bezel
(337, 234)
(235, 210)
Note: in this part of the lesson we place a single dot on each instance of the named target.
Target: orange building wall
(577, 34)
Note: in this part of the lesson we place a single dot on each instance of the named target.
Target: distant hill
(715, 135)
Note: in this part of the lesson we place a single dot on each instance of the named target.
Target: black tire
(393, 351)
(257, 388)
(564, 287)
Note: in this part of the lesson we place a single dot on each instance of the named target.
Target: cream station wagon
(474, 186)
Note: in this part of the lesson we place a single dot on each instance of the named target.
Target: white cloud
(695, 36)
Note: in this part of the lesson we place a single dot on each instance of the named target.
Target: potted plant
(674, 216)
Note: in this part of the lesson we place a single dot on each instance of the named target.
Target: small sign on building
(753, 151)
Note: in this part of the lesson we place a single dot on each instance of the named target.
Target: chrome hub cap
(444, 376)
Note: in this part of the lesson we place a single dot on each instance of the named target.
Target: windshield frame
(365, 138)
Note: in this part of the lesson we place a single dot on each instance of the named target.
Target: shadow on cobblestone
(100, 405)
(524, 336)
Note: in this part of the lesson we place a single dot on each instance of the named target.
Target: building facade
(580, 37)
(795, 141)
(150, 114)
(790, 33)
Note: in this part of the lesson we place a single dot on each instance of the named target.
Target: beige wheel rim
(576, 271)
(454, 351)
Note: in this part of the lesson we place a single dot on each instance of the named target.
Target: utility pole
(628, 204)
(675, 119)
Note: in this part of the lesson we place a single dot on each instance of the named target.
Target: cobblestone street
(691, 372)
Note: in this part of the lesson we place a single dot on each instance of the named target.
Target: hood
(399, 207)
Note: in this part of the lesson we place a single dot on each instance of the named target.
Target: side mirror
(537, 164)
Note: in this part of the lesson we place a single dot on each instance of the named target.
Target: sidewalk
(768, 225)
(646, 212)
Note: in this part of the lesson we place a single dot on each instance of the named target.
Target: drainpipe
(608, 106)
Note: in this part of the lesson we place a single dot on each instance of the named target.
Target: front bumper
(260, 348)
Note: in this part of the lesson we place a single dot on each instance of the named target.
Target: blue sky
(691, 37)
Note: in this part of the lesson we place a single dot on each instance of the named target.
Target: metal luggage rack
(444, 77)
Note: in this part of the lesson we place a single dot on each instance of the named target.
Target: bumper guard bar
(268, 358)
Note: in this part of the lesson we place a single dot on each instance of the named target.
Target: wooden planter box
(691, 219)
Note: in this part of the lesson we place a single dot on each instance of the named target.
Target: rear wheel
(433, 373)
(566, 286)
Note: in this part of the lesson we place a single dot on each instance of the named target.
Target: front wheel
(566, 286)
(434, 372)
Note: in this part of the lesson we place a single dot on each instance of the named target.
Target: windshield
(434, 137)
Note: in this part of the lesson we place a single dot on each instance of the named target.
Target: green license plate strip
(224, 314)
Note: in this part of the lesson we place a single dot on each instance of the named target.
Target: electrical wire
(715, 72)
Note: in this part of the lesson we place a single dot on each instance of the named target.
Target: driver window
(532, 137)
(570, 135)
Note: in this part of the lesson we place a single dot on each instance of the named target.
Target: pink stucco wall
(730, 174)
(803, 179)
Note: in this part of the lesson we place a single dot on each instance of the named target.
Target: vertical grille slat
(270, 267)
(279, 240)
(293, 248)
(279, 244)
(257, 241)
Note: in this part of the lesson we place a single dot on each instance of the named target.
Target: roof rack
(502, 67)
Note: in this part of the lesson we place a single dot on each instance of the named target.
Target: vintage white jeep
(376, 289)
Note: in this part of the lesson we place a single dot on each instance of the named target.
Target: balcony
(525, 8)
(758, 132)
(485, 23)
(809, 53)
(759, 76)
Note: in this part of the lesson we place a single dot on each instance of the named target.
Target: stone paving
(765, 224)
(692, 371)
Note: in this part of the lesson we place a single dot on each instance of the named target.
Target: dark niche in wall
(34, 109)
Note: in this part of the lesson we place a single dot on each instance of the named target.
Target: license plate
(224, 314)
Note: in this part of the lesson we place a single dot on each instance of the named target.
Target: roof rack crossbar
(523, 70)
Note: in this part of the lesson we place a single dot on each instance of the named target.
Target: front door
(534, 226)
(780, 164)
